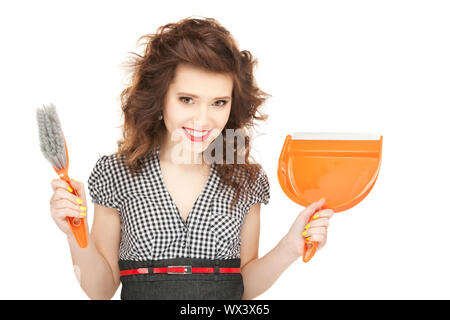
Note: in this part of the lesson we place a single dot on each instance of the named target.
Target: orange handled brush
(340, 167)
(53, 146)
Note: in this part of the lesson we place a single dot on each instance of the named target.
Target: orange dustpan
(340, 167)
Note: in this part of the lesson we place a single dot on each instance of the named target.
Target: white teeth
(196, 133)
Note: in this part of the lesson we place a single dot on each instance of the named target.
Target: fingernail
(316, 216)
(79, 201)
(304, 233)
(308, 239)
(70, 189)
(307, 226)
(83, 214)
(82, 208)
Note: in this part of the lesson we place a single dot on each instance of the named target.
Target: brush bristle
(51, 137)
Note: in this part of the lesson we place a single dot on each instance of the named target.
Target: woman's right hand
(64, 204)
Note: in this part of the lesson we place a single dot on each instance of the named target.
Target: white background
(349, 66)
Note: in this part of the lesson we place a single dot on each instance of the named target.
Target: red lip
(196, 130)
(197, 139)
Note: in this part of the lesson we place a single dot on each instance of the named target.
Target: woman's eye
(224, 102)
(182, 98)
(221, 102)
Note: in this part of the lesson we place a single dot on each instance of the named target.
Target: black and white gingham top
(153, 229)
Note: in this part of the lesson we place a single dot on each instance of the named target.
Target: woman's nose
(202, 115)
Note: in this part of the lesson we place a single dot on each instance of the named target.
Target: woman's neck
(170, 152)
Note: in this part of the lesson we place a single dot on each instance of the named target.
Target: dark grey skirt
(196, 286)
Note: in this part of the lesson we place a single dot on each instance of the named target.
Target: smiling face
(197, 108)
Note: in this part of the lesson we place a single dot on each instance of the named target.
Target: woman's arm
(259, 274)
(96, 266)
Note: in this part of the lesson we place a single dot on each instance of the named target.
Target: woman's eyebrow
(195, 96)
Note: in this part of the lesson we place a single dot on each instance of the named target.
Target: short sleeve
(101, 184)
(259, 192)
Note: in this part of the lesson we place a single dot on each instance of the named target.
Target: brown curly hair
(202, 43)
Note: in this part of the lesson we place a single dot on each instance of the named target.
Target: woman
(177, 207)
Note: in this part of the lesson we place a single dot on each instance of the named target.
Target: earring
(160, 116)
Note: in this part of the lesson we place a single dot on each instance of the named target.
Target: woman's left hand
(301, 229)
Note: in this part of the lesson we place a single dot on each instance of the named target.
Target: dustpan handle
(309, 250)
(309, 247)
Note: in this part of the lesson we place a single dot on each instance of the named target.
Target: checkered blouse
(152, 227)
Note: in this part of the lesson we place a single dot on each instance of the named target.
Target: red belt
(178, 270)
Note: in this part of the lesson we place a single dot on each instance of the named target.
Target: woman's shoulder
(111, 158)
(260, 189)
(112, 161)
(255, 189)
(102, 183)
